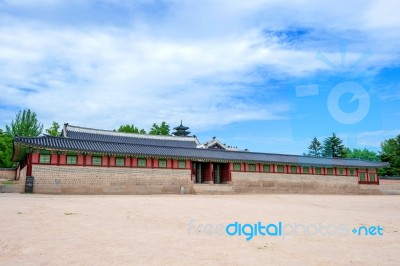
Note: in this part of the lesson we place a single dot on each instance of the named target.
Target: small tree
(54, 129)
(6, 150)
(162, 129)
(333, 147)
(391, 153)
(315, 148)
(363, 154)
(131, 129)
(25, 125)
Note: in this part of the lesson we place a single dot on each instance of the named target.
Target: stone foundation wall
(293, 183)
(114, 180)
(7, 173)
(102, 180)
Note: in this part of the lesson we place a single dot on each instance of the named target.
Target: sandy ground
(183, 230)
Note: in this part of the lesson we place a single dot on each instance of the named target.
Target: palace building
(92, 161)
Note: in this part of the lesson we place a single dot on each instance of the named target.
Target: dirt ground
(190, 230)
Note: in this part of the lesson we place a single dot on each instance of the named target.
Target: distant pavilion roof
(181, 130)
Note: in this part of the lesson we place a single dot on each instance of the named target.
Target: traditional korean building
(92, 161)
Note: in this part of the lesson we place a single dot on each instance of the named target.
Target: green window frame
(252, 167)
(162, 163)
(142, 162)
(362, 177)
(44, 158)
(341, 171)
(96, 160)
(280, 168)
(371, 177)
(293, 169)
(119, 161)
(306, 169)
(329, 171)
(351, 171)
(181, 164)
(267, 168)
(236, 166)
(318, 170)
(71, 159)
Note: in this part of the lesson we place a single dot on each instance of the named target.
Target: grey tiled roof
(124, 148)
(82, 133)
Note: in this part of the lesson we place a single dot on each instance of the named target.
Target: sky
(263, 75)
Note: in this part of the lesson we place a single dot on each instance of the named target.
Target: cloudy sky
(263, 75)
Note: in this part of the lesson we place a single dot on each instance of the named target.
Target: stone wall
(7, 173)
(114, 180)
(14, 186)
(294, 183)
(388, 186)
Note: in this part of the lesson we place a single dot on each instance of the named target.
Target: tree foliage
(363, 154)
(315, 148)
(6, 150)
(333, 147)
(162, 129)
(54, 129)
(391, 153)
(25, 125)
(131, 129)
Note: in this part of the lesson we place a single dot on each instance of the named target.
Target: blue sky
(262, 75)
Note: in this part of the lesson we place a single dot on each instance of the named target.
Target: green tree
(131, 129)
(363, 154)
(162, 129)
(333, 147)
(25, 125)
(391, 153)
(54, 130)
(315, 148)
(6, 150)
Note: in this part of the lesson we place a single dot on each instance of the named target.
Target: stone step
(213, 189)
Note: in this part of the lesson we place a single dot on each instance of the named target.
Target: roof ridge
(129, 135)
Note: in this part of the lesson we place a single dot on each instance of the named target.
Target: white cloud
(194, 62)
(375, 138)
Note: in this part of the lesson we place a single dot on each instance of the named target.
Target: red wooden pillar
(376, 176)
(29, 165)
(211, 172)
(208, 177)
